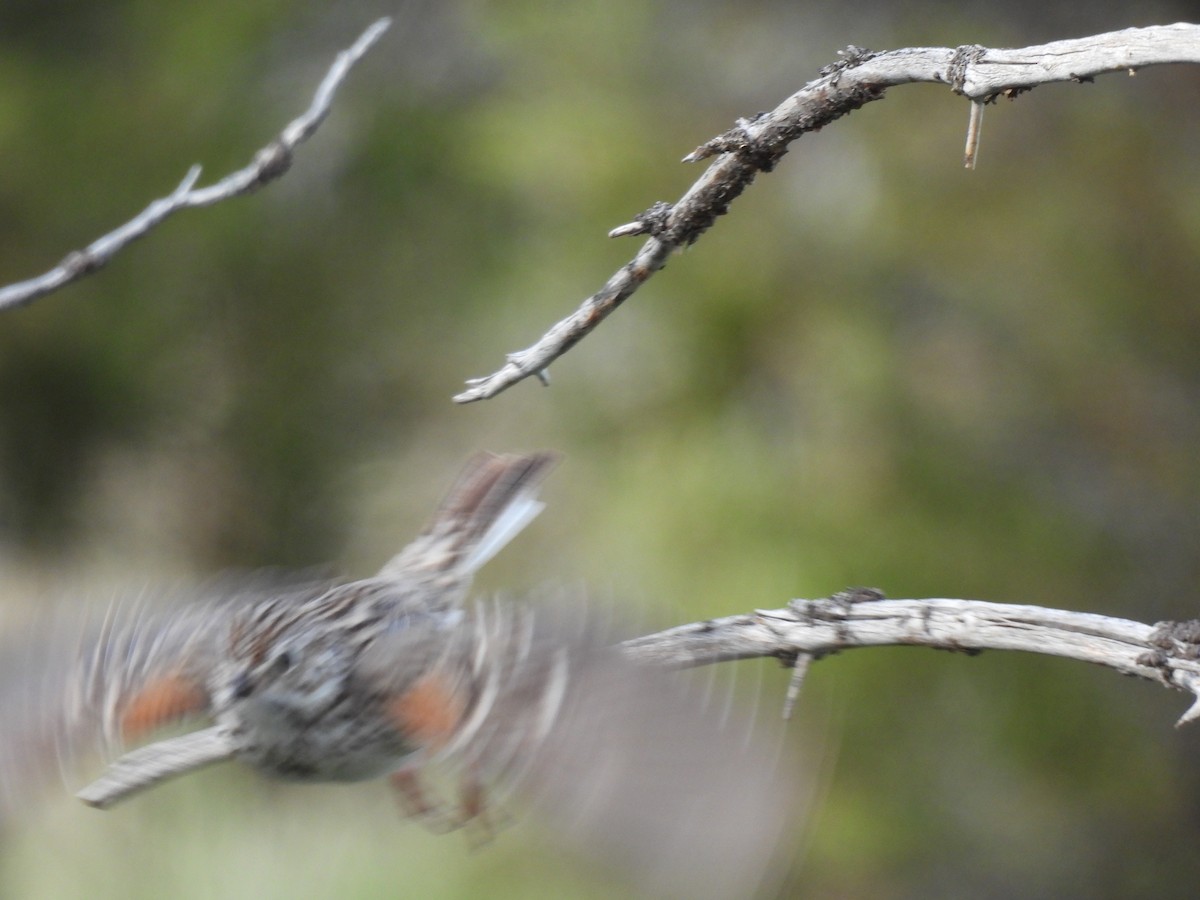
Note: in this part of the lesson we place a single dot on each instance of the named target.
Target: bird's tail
(493, 499)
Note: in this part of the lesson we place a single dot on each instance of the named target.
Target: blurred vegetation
(879, 369)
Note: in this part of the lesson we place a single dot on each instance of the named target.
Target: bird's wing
(81, 682)
(616, 758)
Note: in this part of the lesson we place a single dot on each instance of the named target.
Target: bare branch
(268, 164)
(1166, 653)
(756, 145)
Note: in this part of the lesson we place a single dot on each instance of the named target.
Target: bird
(389, 676)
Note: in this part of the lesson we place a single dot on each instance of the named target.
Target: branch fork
(756, 144)
(268, 164)
(1167, 653)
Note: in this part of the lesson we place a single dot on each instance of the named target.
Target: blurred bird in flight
(383, 677)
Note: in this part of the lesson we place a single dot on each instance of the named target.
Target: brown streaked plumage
(324, 681)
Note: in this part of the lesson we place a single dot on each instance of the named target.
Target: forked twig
(755, 145)
(1167, 653)
(268, 164)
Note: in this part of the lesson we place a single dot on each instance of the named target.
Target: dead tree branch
(268, 164)
(1167, 653)
(757, 144)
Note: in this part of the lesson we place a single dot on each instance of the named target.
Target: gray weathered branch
(756, 145)
(268, 164)
(1166, 653)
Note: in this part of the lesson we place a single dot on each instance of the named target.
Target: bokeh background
(879, 369)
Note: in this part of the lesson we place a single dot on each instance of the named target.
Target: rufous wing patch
(428, 712)
(160, 702)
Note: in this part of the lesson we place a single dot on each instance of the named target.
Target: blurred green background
(879, 369)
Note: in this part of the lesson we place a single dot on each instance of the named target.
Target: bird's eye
(243, 687)
(283, 661)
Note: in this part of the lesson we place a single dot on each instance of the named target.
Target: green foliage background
(878, 370)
